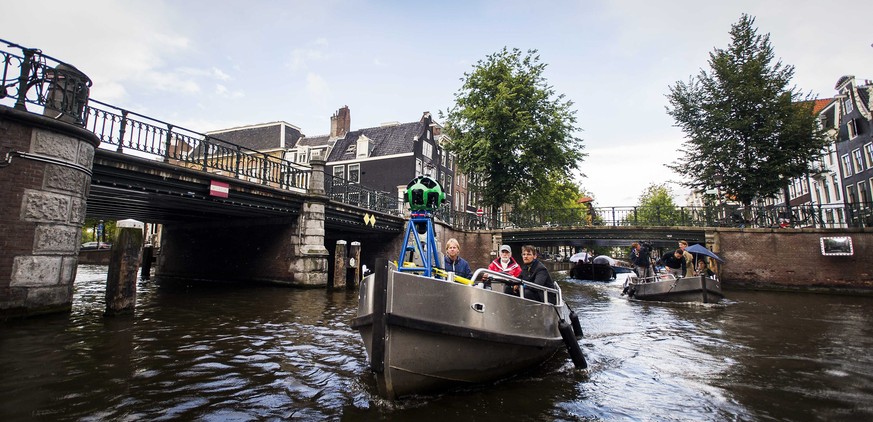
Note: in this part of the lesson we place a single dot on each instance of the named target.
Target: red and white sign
(219, 189)
(480, 212)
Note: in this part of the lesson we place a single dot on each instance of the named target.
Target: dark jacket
(641, 257)
(670, 261)
(459, 267)
(536, 273)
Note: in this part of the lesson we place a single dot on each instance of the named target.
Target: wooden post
(340, 265)
(123, 262)
(148, 253)
(354, 272)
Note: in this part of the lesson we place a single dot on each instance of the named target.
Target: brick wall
(793, 259)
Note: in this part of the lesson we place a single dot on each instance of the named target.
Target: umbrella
(578, 256)
(603, 259)
(697, 248)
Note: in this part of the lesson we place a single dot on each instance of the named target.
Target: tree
(509, 129)
(556, 202)
(745, 127)
(656, 207)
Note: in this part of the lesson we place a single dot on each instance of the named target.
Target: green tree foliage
(655, 208)
(510, 131)
(747, 130)
(89, 230)
(557, 202)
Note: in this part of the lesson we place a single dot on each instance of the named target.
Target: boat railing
(655, 278)
(504, 279)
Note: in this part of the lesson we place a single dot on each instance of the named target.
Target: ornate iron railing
(802, 216)
(342, 190)
(36, 78)
(130, 131)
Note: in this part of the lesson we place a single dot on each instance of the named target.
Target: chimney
(340, 123)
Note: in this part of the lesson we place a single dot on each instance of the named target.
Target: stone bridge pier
(45, 173)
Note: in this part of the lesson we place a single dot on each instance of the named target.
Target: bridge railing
(802, 216)
(131, 131)
(353, 193)
(35, 78)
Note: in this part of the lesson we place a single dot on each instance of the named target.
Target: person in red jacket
(505, 263)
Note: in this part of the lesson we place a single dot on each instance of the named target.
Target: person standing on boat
(642, 260)
(453, 261)
(534, 272)
(505, 263)
(689, 259)
(674, 262)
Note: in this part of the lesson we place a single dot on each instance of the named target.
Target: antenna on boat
(424, 196)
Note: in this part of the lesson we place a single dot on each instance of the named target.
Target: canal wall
(792, 259)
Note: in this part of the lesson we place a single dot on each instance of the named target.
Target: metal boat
(668, 288)
(426, 334)
(427, 330)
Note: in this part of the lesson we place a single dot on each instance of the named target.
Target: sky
(209, 65)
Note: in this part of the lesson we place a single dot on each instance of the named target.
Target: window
(853, 128)
(448, 184)
(847, 103)
(847, 166)
(354, 173)
(850, 194)
(836, 191)
(351, 149)
(868, 151)
(426, 149)
(857, 161)
(339, 171)
(442, 154)
(418, 167)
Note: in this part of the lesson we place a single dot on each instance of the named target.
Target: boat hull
(425, 335)
(687, 289)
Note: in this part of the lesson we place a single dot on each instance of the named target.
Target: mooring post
(340, 265)
(148, 253)
(354, 273)
(124, 261)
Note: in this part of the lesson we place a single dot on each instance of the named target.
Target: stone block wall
(42, 206)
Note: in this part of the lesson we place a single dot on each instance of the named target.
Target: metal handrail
(39, 79)
(353, 193)
(502, 278)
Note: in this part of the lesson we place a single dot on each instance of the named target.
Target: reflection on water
(215, 353)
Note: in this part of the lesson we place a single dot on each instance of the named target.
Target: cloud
(302, 57)
(222, 91)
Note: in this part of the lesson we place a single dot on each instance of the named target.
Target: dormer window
(351, 149)
(363, 145)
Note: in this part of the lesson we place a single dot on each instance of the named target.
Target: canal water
(234, 353)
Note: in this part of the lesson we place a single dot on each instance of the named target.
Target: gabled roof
(820, 104)
(314, 141)
(260, 137)
(385, 140)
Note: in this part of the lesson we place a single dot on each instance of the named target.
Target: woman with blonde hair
(453, 261)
